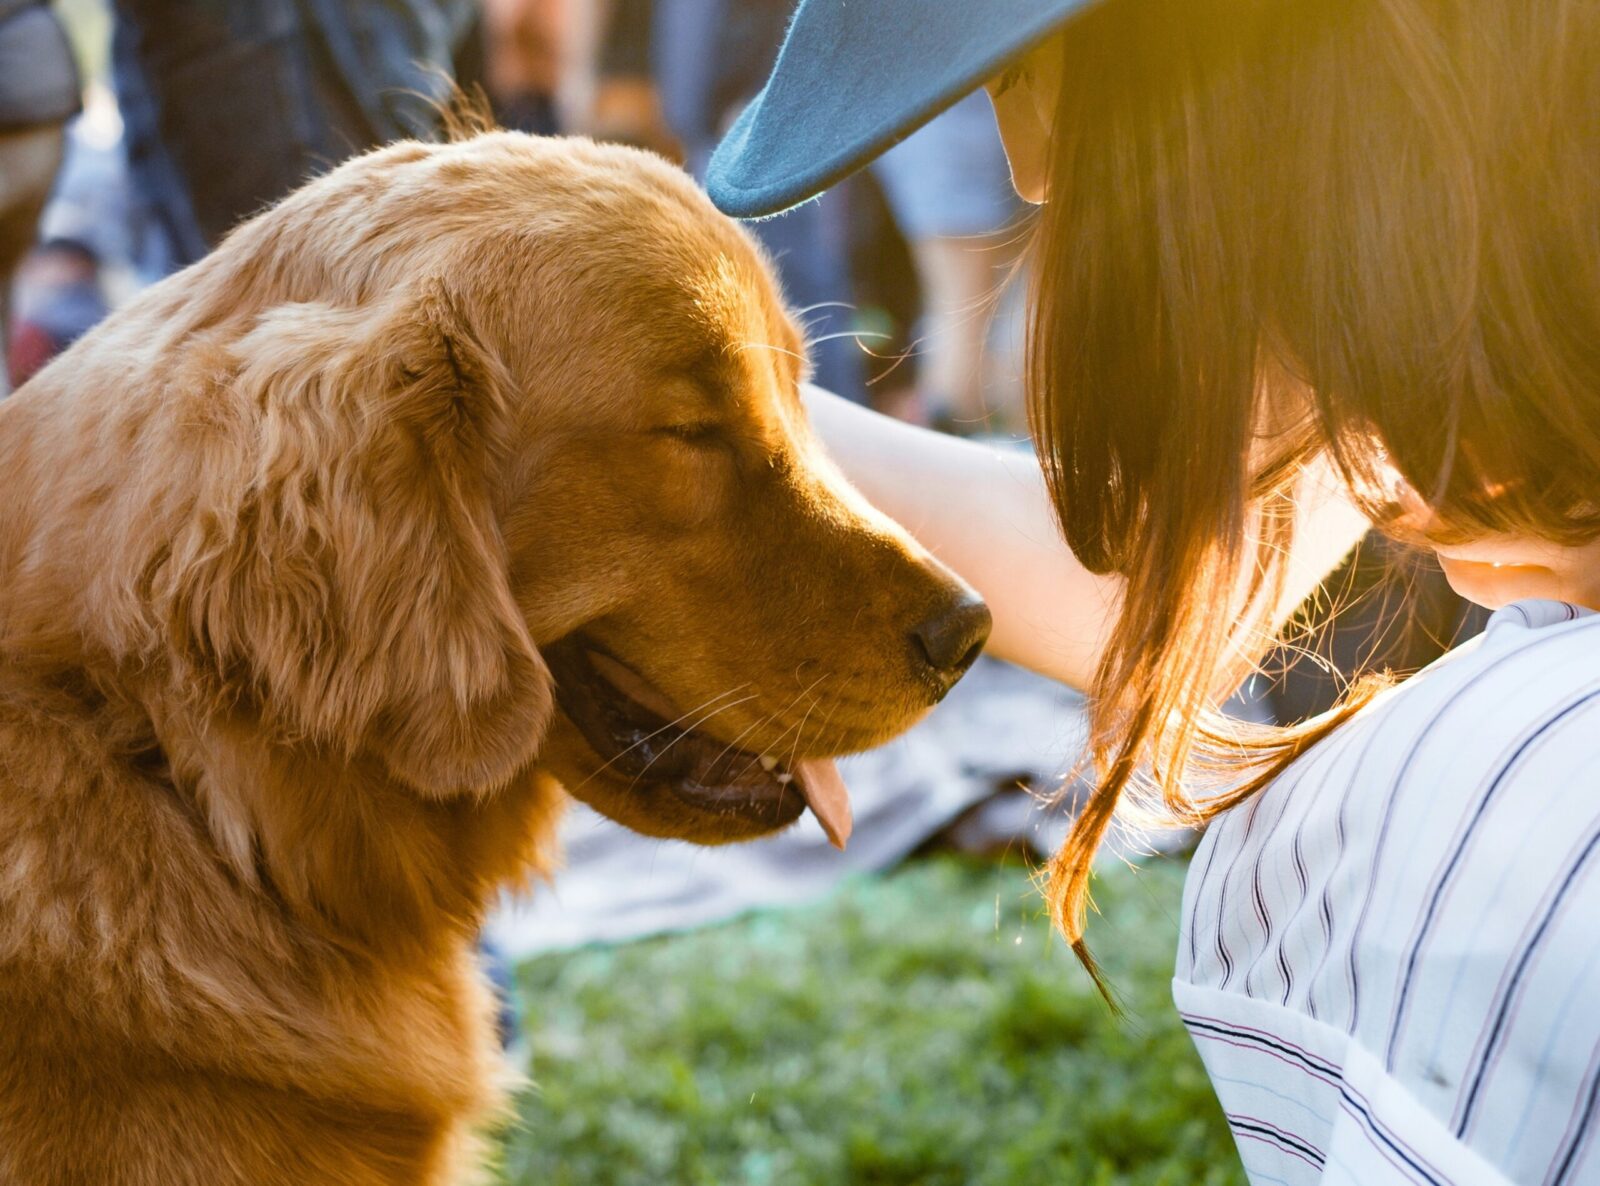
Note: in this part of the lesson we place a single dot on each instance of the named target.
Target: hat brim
(855, 77)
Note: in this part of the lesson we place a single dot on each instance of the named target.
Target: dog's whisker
(755, 758)
(672, 724)
(892, 367)
(702, 706)
(857, 334)
(690, 729)
(828, 720)
(823, 730)
(734, 744)
(684, 732)
(824, 305)
(760, 723)
(800, 730)
(768, 719)
(769, 346)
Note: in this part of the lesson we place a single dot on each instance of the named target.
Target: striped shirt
(1390, 958)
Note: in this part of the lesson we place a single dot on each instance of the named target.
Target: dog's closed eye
(699, 432)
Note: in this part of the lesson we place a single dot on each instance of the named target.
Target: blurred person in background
(524, 45)
(38, 93)
(230, 104)
(626, 105)
(60, 300)
(95, 246)
(222, 108)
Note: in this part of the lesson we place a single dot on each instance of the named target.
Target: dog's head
(509, 466)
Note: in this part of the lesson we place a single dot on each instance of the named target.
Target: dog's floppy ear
(360, 585)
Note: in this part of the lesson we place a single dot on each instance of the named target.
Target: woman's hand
(984, 511)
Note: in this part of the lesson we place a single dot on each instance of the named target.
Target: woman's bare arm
(984, 511)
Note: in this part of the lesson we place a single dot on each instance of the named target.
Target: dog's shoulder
(90, 845)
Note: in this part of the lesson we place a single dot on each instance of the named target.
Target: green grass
(923, 1027)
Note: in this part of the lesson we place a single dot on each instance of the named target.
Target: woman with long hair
(1301, 266)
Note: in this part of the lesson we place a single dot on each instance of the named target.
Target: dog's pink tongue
(828, 796)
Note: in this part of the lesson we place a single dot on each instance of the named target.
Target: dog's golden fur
(280, 545)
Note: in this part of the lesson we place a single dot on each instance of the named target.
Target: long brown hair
(1366, 229)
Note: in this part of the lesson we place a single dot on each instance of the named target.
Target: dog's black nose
(951, 641)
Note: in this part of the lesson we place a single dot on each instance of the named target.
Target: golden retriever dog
(468, 473)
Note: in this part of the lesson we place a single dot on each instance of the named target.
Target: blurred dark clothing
(529, 111)
(230, 104)
(38, 75)
(625, 49)
(707, 57)
(751, 33)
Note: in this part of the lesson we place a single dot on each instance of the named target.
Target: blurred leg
(961, 279)
(949, 188)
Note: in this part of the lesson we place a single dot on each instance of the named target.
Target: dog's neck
(345, 853)
(344, 846)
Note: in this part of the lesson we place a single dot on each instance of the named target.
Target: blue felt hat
(856, 76)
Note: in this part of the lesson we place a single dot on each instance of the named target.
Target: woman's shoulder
(1425, 881)
(1521, 695)
(1491, 756)
(1528, 653)
(1446, 806)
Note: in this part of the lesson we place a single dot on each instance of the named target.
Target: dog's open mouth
(640, 734)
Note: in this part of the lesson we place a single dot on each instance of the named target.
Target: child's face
(1498, 569)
